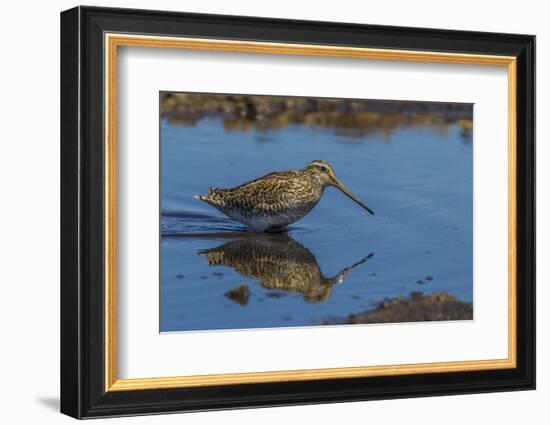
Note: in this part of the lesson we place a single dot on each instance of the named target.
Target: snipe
(279, 263)
(272, 202)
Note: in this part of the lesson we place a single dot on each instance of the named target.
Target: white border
(143, 352)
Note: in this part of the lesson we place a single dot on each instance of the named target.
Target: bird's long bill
(351, 195)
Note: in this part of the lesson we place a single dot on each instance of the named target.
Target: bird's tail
(212, 197)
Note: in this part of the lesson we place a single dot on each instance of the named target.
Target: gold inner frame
(113, 41)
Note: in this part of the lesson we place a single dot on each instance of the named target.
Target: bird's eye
(324, 169)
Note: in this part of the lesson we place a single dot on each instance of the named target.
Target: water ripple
(174, 223)
(181, 222)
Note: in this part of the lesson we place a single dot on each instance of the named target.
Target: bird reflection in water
(279, 262)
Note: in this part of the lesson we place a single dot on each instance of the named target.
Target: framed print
(262, 212)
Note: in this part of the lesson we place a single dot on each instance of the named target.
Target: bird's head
(325, 172)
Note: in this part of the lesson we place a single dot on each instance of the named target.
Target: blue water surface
(418, 180)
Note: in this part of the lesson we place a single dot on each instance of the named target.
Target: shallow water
(337, 260)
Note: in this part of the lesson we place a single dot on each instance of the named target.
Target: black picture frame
(83, 392)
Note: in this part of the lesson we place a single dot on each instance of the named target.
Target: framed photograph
(261, 212)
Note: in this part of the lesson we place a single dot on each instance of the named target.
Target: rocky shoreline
(241, 112)
(415, 308)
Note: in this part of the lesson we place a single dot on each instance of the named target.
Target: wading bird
(279, 263)
(272, 202)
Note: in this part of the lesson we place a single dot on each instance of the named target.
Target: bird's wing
(269, 178)
(266, 195)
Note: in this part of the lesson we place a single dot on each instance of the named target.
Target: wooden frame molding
(114, 40)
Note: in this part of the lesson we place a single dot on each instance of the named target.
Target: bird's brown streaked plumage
(272, 202)
(279, 262)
